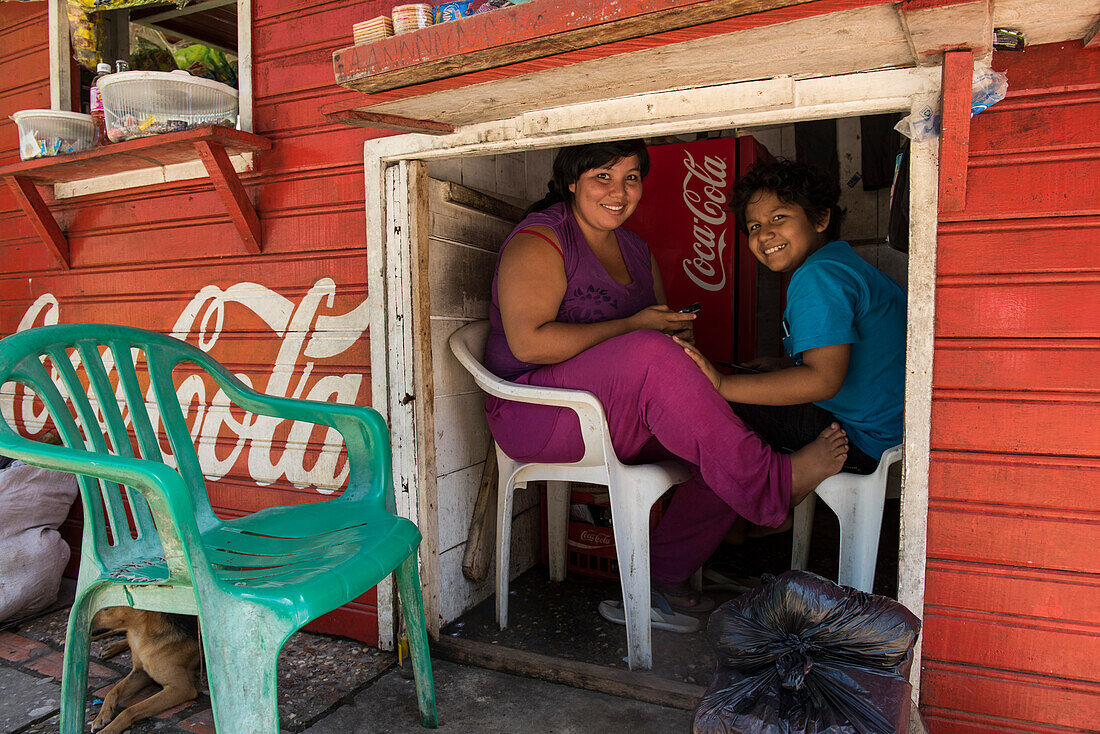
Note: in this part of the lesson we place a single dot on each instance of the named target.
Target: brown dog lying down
(164, 649)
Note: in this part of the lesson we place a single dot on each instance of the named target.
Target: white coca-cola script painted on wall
(307, 334)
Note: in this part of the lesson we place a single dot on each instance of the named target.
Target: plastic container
(412, 17)
(142, 103)
(52, 132)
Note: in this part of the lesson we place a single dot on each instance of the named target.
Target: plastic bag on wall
(150, 50)
(209, 63)
(90, 6)
(86, 35)
(988, 88)
(802, 655)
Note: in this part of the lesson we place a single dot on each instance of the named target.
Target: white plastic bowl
(141, 103)
(52, 132)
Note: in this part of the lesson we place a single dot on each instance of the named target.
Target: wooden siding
(292, 320)
(463, 246)
(1012, 607)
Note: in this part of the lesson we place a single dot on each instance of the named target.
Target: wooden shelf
(529, 31)
(212, 144)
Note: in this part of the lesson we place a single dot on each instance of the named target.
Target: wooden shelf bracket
(213, 145)
(30, 201)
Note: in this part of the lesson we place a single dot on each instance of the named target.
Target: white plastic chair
(857, 500)
(633, 490)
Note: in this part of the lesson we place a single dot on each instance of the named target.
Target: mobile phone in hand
(693, 308)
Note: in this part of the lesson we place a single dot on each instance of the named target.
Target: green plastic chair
(254, 580)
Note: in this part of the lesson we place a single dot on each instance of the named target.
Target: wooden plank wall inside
(1012, 632)
(463, 245)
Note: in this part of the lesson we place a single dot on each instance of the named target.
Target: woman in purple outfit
(578, 303)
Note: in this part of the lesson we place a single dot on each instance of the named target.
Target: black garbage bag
(802, 655)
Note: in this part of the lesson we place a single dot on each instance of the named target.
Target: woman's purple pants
(659, 405)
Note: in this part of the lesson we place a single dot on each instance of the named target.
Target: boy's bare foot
(817, 461)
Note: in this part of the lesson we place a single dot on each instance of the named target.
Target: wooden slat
(958, 68)
(1024, 365)
(1034, 245)
(1011, 699)
(1012, 424)
(1050, 482)
(1047, 184)
(622, 683)
(1014, 538)
(1057, 306)
(1035, 593)
(1008, 644)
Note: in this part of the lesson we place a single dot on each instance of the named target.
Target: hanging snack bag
(453, 11)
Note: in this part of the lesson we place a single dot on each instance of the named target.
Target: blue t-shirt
(836, 297)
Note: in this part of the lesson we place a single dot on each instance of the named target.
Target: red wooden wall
(1012, 607)
(144, 256)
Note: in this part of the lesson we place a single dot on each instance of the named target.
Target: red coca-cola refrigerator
(696, 242)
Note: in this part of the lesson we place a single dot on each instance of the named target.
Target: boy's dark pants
(790, 427)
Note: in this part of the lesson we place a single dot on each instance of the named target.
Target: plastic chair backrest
(470, 340)
(94, 418)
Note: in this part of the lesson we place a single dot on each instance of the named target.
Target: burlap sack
(33, 504)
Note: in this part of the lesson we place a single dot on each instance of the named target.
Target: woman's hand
(705, 365)
(663, 319)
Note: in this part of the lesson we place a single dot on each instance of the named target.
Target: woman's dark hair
(793, 183)
(571, 162)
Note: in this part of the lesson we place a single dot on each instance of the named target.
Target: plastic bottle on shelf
(96, 105)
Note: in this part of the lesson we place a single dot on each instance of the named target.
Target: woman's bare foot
(817, 461)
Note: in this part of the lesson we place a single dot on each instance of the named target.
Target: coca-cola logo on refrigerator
(683, 218)
(704, 195)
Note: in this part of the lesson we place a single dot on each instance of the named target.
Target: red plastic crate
(590, 549)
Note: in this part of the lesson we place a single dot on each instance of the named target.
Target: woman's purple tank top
(591, 294)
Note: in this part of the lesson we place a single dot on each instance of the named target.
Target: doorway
(404, 348)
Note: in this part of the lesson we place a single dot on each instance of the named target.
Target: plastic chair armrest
(161, 486)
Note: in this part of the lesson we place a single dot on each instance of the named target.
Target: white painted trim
(242, 162)
(924, 166)
(781, 101)
(61, 99)
(375, 210)
(60, 51)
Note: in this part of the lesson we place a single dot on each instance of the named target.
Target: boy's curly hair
(794, 183)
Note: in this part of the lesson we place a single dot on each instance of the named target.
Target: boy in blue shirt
(844, 323)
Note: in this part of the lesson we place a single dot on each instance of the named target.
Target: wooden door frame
(396, 244)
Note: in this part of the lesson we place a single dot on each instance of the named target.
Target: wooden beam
(958, 72)
(623, 683)
(427, 491)
(1091, 38)
(480, 539)
(30, 201)
(934, 26)
(228, 185)
(347, 113)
